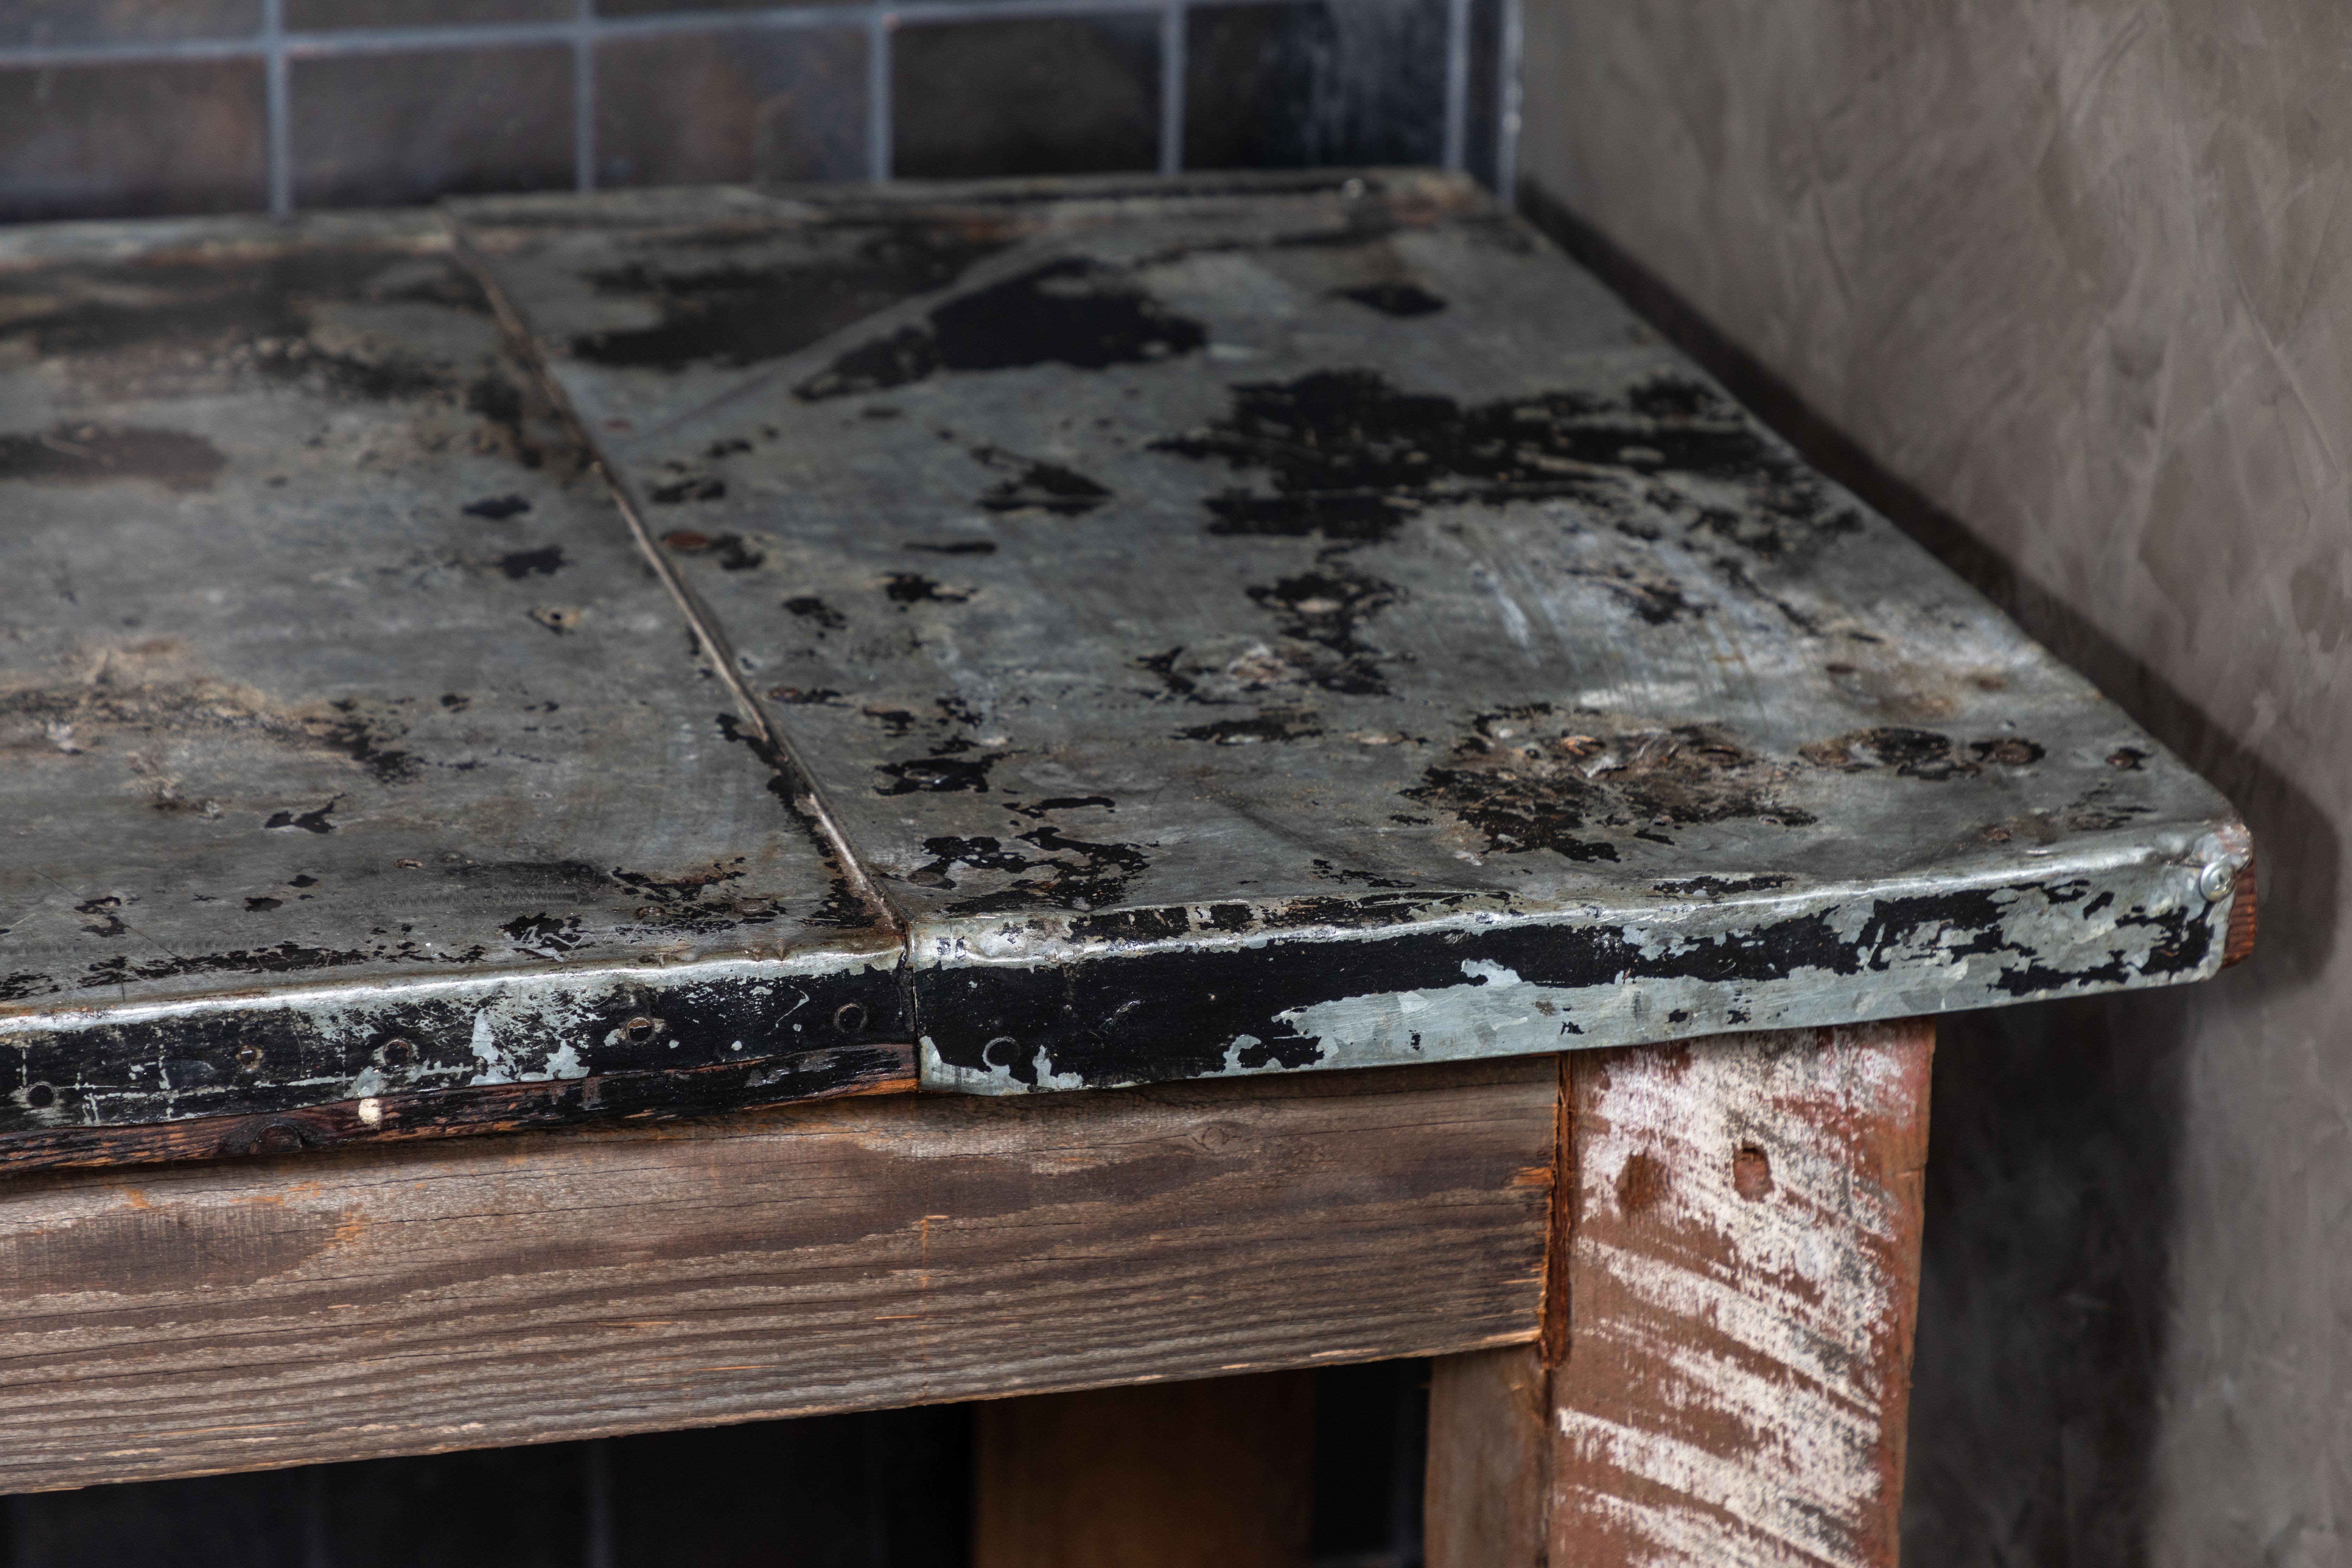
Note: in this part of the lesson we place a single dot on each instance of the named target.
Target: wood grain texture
(1488, 1459)
(1743, 1264)
(850, 1254)
(478, 1111)
(1216, 1473)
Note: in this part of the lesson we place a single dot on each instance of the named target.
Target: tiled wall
(136, 106)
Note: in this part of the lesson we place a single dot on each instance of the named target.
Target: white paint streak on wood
(1735, 1385)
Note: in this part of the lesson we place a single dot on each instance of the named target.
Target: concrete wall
(2066, 286)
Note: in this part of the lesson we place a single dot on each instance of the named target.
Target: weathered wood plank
(855, 1253)
(1215, 1473)
(1743, 1269)
(1489, 1461)
(476, 1111)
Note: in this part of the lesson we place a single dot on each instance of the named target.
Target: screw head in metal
(2216, 880)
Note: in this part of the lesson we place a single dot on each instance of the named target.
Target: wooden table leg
(1737, 1245)
(1215, 1473)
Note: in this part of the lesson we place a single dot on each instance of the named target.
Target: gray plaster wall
(2065, 285)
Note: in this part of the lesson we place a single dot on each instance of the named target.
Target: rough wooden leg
(1209, 1474)
(1737, 1251)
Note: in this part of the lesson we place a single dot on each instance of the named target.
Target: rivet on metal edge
(2216, 880)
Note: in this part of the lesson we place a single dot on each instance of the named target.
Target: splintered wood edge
(611, 1098)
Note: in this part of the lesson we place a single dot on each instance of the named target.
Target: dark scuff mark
(1327, 607)
(956, 547)
(809, 607)
(1035, 486)
(92, 454)
(308, 821)
(520, 563)
(1349, 456)
(735, 316)
(2009, 751)
(1534, 777)
(105, 918)
(806, 696)
(544, 934)
(1395, 298)
(1325, 871)
(497, 509)
(909, 588)
(1271, 725)
(1071, 312)
(259, 905)
(1657, 600)
(690, 488)
(362, 737)
(731, 551)
(936, 775)
(1912, 753)
(1163, 665)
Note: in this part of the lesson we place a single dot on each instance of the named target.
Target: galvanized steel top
(1188, 627)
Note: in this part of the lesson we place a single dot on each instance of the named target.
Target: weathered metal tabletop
(643, 653)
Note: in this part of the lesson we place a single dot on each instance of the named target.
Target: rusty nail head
(849, 1018)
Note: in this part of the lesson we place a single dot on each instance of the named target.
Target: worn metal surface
(350, 749)
(1236, 625)
(1298, 624)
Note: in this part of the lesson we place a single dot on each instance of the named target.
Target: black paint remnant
(1912, 753)
(1071, 312)
(1719, 887)
(731, 551)
(907, 588)
(1350, 456)
(809, 607)
(520, 563)
(690, 488)
(92, 454)
(1327, 607)
(1075, 874)
(104, 919)
(1272, 724)
(259, 905)
(2008, 750)
(308, 821)
(956, 547)
(1658, 600)
(361, 736)
(806, 696)
(942, 774)
(1037, 485)
(1532, 777)
(544, 934)
(732, 315)
(497, 509)
(1395, 297)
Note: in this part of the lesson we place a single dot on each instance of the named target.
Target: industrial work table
(887, 743)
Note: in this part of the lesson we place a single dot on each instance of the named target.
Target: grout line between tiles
(1457, 83)
(880, 155)
(1172, 68)
(584, 97)
(1506, 103)
(278, 108)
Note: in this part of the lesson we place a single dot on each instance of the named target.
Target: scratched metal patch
(351, 747)
(1307, 622)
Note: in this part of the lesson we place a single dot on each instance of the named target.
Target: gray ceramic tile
(767, 104)
(124, 21)
(1282, 86)
(383, 130)
(1073, 95)
(131, 140)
